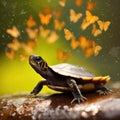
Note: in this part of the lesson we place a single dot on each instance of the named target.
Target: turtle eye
(38, 58)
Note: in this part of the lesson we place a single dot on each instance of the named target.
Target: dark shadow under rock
(58, 106)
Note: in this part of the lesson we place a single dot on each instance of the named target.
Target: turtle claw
(32, 95)
(79, 99)
(104, 91)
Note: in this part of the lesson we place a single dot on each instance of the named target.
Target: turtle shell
(77, 72)
(71, 70)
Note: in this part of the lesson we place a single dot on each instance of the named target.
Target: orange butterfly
(97, 49)
(89, 19)
(95, 31)
(103, 25)
(13, 32)
(27, 48)
(62, 3)
(53, 37)
(68, 34)
(32, 43)
(74, 17)
(89, 52)
(22, 57)
(84, 42)
(93, 50)
(90, 5)
(74, 43)
(89, 46)
(78, 3)
(47, 9)
(45, 19)
(84, 24)
(59, 24)
(44, 32)
(10, 53)
(31, 22)
(14, 45)
(62, 55)
(57, 13)
(32, 33)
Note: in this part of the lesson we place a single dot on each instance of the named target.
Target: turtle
(67, 77)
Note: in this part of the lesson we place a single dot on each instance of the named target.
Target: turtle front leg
(38, 87)
(75, 91)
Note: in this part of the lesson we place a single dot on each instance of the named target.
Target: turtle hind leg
(103, 90)
(75, 91)
(38, 87)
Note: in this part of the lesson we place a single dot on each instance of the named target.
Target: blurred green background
(18, 76)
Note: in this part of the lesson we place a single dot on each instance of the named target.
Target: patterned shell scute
(66, 69)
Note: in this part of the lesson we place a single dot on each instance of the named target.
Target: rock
(58, 106)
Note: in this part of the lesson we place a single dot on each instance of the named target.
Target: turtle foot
(34, 92)
(32, 95)
(104, 91)
(79, 99)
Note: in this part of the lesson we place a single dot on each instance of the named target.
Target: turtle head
(38, 63)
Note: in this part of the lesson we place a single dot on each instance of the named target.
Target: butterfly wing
(62, 55)
(68, 34)
(30, 22)
(62, 3)
(59, 24)
(106, 25)
(53, 37)
(74, 43)
(45, 19)
(13, 32)
(74, 17)
(44, 32)
(95, 31)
